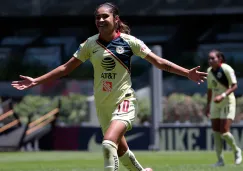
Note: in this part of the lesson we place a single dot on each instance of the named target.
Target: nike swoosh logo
(94, 146)
(95, 51)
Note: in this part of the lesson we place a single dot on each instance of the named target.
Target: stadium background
(38, 35)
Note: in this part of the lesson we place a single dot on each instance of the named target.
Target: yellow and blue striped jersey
(221, 79)
(112, 65)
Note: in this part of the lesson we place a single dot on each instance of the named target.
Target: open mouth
(101, 25)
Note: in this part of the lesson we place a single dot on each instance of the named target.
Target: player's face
(213, 60)
(104, 20)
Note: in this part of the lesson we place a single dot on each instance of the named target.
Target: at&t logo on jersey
(109, 75)
(108, 64)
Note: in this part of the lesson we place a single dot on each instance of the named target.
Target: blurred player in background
(110, 52)
(221, 104)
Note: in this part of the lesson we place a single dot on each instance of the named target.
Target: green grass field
(84, 161)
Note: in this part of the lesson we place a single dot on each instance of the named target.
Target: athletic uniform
(114, 97)
(219, 81)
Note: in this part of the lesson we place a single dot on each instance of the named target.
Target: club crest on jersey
(119, 49)
(219, 75)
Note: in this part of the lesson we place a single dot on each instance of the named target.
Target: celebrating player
(221, 104)
(110, 52)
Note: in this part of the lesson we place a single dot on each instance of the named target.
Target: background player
(221, 103)
(110, 52)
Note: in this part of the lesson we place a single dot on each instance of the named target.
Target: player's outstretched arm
(192, 74)
(60, 71)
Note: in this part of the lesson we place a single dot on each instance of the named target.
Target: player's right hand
(27, 82)
(197, 76)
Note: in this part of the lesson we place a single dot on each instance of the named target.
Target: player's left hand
(197, 76)
(207, 111)
(218, 99)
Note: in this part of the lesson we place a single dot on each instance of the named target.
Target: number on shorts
(124, 106)
(226, 109)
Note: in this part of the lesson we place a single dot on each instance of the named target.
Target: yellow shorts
(126, 111)
(225, 111)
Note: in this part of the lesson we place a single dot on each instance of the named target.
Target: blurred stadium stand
(17, 40)
(47, 56)
(39, 35)
(86, 7)
(11, 129)
(33, 36)
(70, 43)
(14, 134)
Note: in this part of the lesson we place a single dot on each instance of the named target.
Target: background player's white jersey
(220, 80)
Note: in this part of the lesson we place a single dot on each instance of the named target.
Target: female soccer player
(221, 103)
(110, 52)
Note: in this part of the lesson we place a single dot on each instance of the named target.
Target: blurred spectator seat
(76, 32)
(64, 7)
(235, 3)
(70, 43)
(15, 40)
(88, 7)
(135, 7)
(4, 53)
(28, 32)
(153, 34)
(47, 56)
(229, 37)
(235, 33)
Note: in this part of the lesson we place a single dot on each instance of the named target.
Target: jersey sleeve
(209, 82)
(83, 52)
(230, 74)
(139, 48)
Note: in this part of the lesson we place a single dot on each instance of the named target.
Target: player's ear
(117, 19)
(221, 59)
